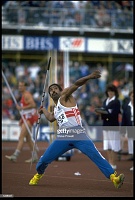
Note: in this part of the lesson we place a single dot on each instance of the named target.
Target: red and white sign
(72, 44)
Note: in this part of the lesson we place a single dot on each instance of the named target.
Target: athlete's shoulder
(65, 90)
(28, 94)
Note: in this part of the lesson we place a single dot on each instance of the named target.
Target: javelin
(16, 103)
(42, 100)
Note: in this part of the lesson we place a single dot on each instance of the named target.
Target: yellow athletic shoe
(35, 179)
(117, 180)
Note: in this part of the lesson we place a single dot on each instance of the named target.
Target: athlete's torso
(23, 103)
(67, 117)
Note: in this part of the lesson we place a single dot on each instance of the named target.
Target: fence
(67, 18)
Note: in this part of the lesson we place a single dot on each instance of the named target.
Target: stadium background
(80, 38)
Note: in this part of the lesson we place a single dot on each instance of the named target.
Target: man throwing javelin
(71, 134)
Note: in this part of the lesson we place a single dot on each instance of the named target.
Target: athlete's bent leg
(88, 148)
(56, 149)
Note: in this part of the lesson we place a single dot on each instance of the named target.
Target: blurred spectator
(9, 4)
(7, 108)
(99, 16)
(11, 8)
(54, 17)
(90, 117)
(21, 16)
(102, 81)
(110, 117)
(116, 82)
(20, 71)
(125, 91)
(33, 70)
(78, 18)
(68, 18)
(44, 16)
(89, 18)
(58, 4)
(84, 95)
(128, 123)
(126, 4)
(84, 69)
(74, 72)
(95, 3)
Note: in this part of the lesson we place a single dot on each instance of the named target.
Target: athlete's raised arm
(66, 93)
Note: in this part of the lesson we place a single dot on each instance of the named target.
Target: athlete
(28, 109)
(71, 134)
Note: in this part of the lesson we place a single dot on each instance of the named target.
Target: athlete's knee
(21, 140)
(28, 138)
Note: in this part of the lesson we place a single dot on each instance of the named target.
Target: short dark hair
(60, 88)
(112, 88)
(23, 81)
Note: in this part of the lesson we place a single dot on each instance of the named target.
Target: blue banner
(40, 43)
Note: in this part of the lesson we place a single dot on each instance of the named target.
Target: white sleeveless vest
(67, 117)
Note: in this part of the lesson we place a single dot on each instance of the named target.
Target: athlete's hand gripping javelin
(40, 110)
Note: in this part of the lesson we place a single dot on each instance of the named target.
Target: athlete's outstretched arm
(68, 91)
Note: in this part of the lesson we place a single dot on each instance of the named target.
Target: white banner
(120, 46)
(10, 42)
(5, 134)
(14, 133)
(10, 132)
